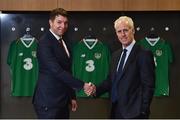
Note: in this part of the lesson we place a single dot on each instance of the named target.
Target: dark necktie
(114, 91)
(121, 64)
(62, 43)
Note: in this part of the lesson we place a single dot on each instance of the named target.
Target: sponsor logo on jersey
(83, 55)
(20, 54)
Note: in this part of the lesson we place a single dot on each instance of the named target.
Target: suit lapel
(59, 48)
(130, 59)
(116, 60)
(114, 63)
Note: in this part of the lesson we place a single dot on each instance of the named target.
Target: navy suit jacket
(135, 85)
(55, 85)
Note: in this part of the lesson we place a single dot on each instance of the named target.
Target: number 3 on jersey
(28, 64)
(90, 66)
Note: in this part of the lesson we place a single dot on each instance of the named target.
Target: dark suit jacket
(135, 85)
(55, 85)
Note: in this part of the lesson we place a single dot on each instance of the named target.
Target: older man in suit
(56, 87)
(132, 76)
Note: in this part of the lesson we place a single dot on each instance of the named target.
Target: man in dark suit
(131, 80)
(56, 87)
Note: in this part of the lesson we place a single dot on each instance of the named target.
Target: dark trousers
(44, 112)
(115, 113)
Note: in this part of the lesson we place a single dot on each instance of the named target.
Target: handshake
(89, 89)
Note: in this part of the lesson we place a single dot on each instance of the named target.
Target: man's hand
(74, 105)
(89, 89)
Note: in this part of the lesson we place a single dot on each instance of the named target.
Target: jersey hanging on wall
(23, 66)
(90, 62)
(162, 57)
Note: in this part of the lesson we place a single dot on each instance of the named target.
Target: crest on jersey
(158, 52)
(97, 55)
(34, 53)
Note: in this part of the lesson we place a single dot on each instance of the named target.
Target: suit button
(46, 108)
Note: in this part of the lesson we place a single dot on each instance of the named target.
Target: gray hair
(126, 19)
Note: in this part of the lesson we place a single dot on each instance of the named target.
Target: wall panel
(28, 5)
(90, 5)
(140, 5)
(168, 5)
(80, 5)
(66, 4)
(112, 5)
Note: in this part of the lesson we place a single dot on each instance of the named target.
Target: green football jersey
(162, 57)
(91, 60)
(23, 66)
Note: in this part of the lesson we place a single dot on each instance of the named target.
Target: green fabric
(90, 63)
(23, 66)
(162, 57)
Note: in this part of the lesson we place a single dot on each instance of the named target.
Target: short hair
(56, 12)
(125, 19)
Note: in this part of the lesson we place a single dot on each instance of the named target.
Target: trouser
(115, 113)
(44, 112)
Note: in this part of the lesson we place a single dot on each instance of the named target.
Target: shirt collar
(56, 36)
(129, 47)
